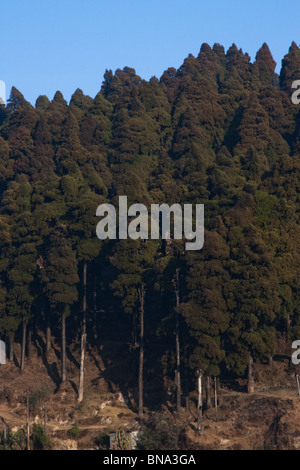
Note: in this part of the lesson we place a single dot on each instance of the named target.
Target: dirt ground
(266, 419)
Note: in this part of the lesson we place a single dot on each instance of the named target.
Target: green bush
(37, 397)
(102, 441)
(40, 439)
(14, 440)
(74, 432)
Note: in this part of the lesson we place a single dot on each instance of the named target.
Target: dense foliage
(221, 131)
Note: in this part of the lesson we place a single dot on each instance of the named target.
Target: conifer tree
(60, 279)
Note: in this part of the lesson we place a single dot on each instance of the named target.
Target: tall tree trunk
(83, 336)
(288, 322)
(27, 421)
(208, 390)
(216, 397)
(141, 362)
(270, 361)
(177, 341)
(29, 344)
(48, 336)
(135, 330)
(250, 375)
(94, 297)
(11, 348)
(23, 347)
(200, 373)
(45, 419)
(63, 347)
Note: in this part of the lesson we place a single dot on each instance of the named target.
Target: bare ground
(266, 419)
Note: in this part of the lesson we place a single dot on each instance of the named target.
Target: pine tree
(60, 279)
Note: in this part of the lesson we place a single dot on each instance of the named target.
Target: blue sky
(64, 45)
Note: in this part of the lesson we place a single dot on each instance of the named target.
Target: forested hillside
(220, 131)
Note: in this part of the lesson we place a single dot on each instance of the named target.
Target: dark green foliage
(221, 131)
(14, 440)
(102, 441)
(74, 432)
(40, 440)
(59, 275)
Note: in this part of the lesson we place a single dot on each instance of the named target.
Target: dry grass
(267, 419)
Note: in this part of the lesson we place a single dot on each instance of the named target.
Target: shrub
(160, 433)
(14, 440)
(102, 441)
(37, 397)
(121, 441)
(40, 439)
(74, 432)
